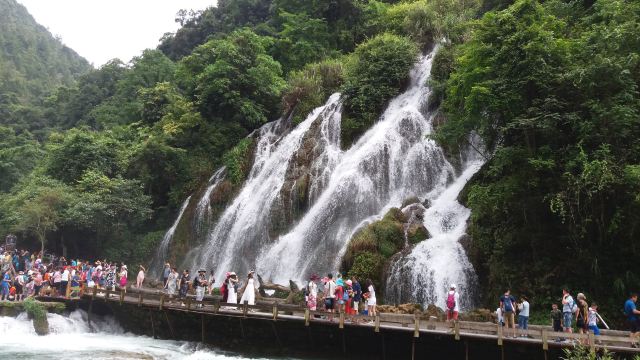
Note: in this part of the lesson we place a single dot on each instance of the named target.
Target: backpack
(451, 301)
(345, 296)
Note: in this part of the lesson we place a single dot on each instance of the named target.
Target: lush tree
(377, 71)
(234, 79)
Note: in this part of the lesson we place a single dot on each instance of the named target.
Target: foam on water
(71, 338)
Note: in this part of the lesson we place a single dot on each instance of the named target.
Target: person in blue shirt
(507, 305)
(633, 318)
(4, 286)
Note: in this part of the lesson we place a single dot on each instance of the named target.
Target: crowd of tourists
(564, 315)
(337, 295)
(26, 274)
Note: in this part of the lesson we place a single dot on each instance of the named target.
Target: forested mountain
(551, 88)
(32, 64)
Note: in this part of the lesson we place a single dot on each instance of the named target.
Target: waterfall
(245, 226)
(202, 218)
(393, 161)
(162, 252)
(425, 274)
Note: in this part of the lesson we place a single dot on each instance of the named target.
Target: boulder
(409, 308)
(478, 315)
(417, 232)
(435, 311)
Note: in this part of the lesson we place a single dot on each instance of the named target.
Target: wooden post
(202, 320)
(121, 296)
(95, 291)
(166, 316)
(592, 342)
(140, 299)
(161, 302)
(456, 327)
(416, 327)
(545, 340)
(500, 335)
(216, 306)
(153, 327)
(413, 349)
(307, 315)
(466, 349)
(275, 311)
(107, 295)
(341, 324)
(244, 308)
(377, 324)
(188, 303)
(89, 312)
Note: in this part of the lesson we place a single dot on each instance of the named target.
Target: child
(593, 319)
(500, 317)
(556, 318)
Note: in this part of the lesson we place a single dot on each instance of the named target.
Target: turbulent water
(71, 338)
(393, 161)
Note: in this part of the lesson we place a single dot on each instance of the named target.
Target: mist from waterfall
(162, 252)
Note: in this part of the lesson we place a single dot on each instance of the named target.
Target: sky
(100, 30)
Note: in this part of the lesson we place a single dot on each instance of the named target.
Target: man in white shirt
(64, 280)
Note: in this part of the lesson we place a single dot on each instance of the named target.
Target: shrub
(238, 160)
(368, 266)
(375, 73)
(308, 88)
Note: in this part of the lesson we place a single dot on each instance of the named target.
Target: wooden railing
(276, 310)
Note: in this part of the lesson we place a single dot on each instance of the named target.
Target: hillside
(32, 64)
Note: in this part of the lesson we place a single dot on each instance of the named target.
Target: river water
(71, 338)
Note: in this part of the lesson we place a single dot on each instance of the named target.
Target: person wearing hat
(200, 284)
(249, 293)
(453, 303)
(232, 288)
(123, 277)
(140, 278)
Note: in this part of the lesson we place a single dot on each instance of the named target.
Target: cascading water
(244, 227)
(202, 218)
(426, 273)
(161, 253)
(393, 161)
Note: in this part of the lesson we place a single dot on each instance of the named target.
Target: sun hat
(453, 286)
(202, 270)
(349, 282)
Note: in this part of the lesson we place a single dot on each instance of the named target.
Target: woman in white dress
(371, 298)
(249, 294)
(232, 298)
(312, 289)
(172, 283)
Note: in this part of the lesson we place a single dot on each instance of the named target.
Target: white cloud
(102, 30)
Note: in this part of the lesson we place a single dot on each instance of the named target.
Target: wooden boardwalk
(414, 325)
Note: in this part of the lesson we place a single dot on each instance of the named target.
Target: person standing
(57, 278)
(568, 305)
(165, 272)
(172, 284)
(330, 295)
(312, 291)
(633, 318)
(211, 281)
(124, 274)
(453, 301)
(507, 305)
(523, 316)
(582, 314)
(371, 299)
(140, 278)
(556, 318)
(64, 281)
(200, 284)
(249, 293)
(5, 286)
(232, 290)
(357, 294)
(185, 281)
(593, 319)
(37, 282)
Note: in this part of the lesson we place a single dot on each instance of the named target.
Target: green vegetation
(38, 314)
(552, 88)
(239, 160)
(32, 63)
(375, 73)
(371, 247)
